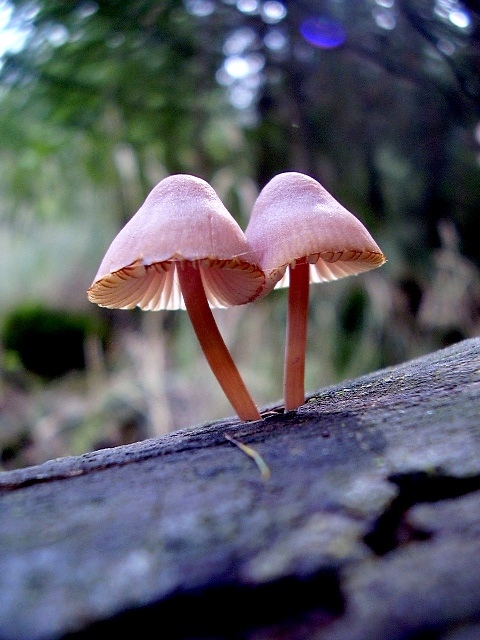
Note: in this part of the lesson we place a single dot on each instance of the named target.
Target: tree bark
(355, 517)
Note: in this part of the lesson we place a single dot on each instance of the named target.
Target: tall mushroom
(183, 249)
(301, 234)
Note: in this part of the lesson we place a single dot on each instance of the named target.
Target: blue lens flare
(323, 32)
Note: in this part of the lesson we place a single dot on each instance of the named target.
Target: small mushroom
(183, 249)
(301, 234)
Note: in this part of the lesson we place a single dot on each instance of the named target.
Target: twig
(260, 462)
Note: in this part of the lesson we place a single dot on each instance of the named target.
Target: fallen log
(356, 517)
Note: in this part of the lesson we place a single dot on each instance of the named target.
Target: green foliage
(351, 320)
(118, 72)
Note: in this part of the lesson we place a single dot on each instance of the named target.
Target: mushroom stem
(296, 340)
(212, 344)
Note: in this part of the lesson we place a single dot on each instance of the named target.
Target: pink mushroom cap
(181, 220)
(294, 218)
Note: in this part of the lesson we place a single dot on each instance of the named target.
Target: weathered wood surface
(367, 528)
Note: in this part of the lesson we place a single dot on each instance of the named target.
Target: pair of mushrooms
(183, 249)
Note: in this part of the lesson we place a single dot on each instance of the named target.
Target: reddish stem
(211, 341)
(296, 340)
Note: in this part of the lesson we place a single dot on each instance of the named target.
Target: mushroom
(301, 234)
(183, 249)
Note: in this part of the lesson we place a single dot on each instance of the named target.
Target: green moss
(49, 342)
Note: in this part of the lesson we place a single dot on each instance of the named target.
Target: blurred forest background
(379, 100)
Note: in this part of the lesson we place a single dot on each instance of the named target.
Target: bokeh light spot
(200, 8)
(250, 7)
(460, 18)
(237, 67)
(273, 11)
(323, 32)
(239, 41)
(446, 47)
(275, 40)
(385, 19)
